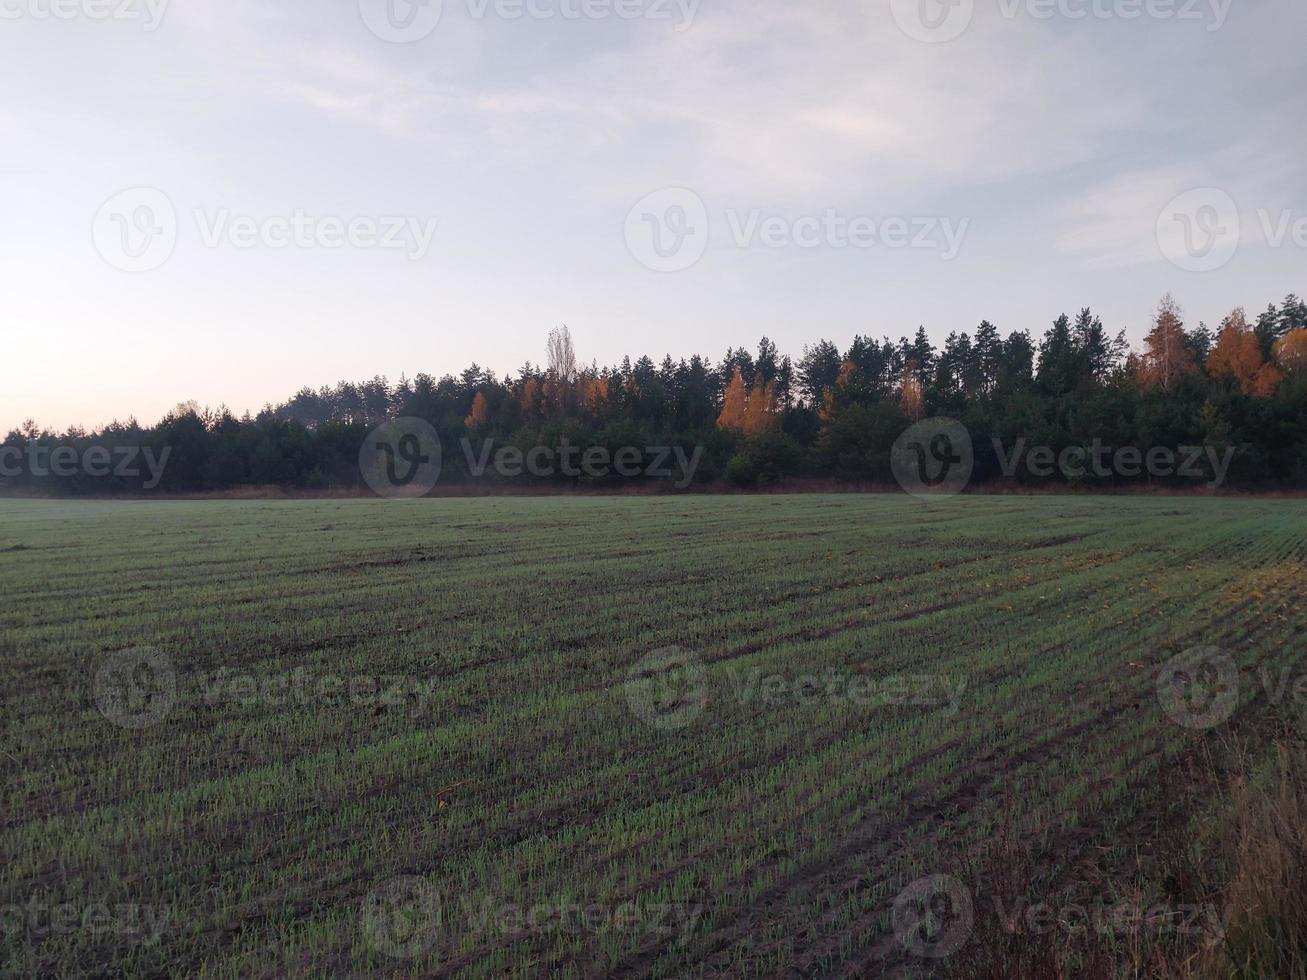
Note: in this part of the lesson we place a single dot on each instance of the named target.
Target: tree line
(763, 417)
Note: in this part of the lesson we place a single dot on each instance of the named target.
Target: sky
(226, 200)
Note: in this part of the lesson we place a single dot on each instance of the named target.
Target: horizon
(712, 361)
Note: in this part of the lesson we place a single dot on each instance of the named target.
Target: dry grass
(1242, 859)
(1266, 934)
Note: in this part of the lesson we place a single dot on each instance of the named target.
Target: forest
(760, 419)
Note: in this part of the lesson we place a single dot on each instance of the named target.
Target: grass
(437, 737)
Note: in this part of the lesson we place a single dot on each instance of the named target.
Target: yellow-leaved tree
(1238, 354)
(1291, 351)
(1166, 355)
(480, 413)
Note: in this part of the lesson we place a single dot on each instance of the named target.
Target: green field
(460, 691)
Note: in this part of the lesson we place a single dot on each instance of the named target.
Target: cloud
(772, 105)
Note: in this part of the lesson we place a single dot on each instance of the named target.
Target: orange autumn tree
(1166, 354)
(530, 398)
(1238, 354)
(1291, 351)
(593, 390)
(734, 404)
(762, 413)
(912, 398)
(480, 413)
(749, 412)
(827, 413)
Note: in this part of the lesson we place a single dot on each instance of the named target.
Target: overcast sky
(177, 181)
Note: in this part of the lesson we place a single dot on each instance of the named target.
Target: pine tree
(1058, 358)
(988, 352)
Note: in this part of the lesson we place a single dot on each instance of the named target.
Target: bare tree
(562, 355)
